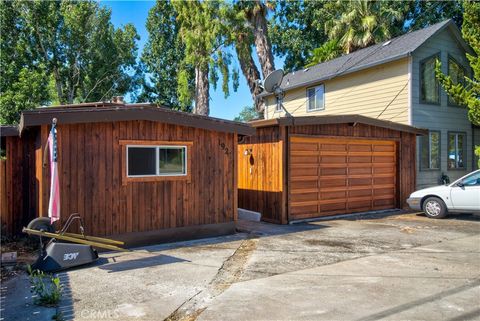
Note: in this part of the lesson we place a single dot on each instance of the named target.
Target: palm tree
(363, 23)
(328, 51)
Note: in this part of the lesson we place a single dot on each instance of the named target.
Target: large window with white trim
(151, 161)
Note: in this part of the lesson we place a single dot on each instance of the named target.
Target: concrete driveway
(397, 267)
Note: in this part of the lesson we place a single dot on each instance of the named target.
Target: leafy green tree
(423, 13)
(68, 51)
(255, 12)
(161, 58)
(22, 87)
(328, 51)
(467, 92)
(204, 33)
(241, 36)
(363, 23)
(297, 28)
(247, 114)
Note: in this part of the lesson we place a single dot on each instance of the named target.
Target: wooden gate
(331, 176)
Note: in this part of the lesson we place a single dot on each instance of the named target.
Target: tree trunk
(249, 69)
(202, 104)
(262, 42)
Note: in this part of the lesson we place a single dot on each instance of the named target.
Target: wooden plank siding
(261, 182)
(18, 190)
(331, 176)
(90, 167)
(390, 154)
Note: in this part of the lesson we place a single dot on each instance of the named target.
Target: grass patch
(46, 288)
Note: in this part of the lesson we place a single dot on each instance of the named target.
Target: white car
(463, 196)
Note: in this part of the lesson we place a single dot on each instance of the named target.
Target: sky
(136, 12)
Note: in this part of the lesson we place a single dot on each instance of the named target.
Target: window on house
(456, 151)
(429, 87)
(156, 161)
(457, 74)
(315, 96)
(278, 104)
(430, 151)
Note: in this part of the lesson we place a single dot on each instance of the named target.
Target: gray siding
(443, 117)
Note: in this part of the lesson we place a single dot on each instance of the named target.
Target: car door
(465, 195)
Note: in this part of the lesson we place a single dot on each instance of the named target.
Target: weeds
(46, 287)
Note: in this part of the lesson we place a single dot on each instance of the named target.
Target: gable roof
(337, 119)
(378, 54)
(111, 112)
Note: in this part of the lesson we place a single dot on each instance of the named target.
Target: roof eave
(44, 117)
(9, 131)
(338, 119)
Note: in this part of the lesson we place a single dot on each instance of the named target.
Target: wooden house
(298, 168)
(134, 172)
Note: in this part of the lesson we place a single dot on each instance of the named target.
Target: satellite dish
(273, 81)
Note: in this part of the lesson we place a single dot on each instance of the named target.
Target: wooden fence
(5, 219)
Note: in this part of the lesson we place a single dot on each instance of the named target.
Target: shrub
(46, 287)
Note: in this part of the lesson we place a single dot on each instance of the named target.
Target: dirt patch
(229, 273)
(27, 253)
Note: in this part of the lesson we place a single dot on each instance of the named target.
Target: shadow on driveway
(140, 263)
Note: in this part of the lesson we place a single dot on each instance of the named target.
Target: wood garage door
(331, 176)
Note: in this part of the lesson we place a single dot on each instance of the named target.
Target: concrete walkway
(435, 282)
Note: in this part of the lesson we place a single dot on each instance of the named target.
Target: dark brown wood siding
(19, 184)
(90, 167)
(253, 189)
(261, 173)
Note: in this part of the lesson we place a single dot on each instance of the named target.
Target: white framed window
(153, 161)
(316, 98)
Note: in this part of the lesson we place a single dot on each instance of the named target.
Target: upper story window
(456, 151)
(315, 97)
(144, 161)
(429, 87)
(457, 74)
(430, 151)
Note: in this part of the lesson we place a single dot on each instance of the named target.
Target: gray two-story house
(394, 81)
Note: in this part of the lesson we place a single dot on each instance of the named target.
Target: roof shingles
(390, 50)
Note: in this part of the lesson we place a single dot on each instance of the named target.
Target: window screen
(171, 160)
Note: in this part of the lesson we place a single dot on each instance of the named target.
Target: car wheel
(434, 208)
